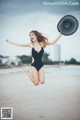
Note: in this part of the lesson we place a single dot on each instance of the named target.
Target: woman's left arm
(55, 40)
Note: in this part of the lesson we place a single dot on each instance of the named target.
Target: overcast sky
(19, 17)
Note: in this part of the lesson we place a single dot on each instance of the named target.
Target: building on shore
(57, 53)
(9, 60)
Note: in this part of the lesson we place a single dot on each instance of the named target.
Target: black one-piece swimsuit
(37, 58)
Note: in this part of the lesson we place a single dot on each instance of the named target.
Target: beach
(57, 99)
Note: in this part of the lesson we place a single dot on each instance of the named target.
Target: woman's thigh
(35, 75)
(41, 75)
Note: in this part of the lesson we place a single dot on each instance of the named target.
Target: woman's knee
(42, 82)
(36, 83)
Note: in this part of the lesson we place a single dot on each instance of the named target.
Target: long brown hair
(40, 38)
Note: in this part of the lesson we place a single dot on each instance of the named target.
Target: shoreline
(62, 65)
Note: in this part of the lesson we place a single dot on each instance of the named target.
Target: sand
(57, 99)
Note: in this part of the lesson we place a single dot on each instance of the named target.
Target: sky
(19, 17)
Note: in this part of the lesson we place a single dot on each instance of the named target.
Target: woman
(37, 47)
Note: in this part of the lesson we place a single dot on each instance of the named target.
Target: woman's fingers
(60, 34)
(6, 40)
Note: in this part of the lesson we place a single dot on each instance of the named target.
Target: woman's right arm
(20, 45)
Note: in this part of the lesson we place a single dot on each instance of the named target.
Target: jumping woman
(39, 42)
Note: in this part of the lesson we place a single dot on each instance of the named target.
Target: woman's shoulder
(30, 45)
(41, 44)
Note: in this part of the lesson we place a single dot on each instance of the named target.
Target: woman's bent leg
(34, 76)
(41, 75)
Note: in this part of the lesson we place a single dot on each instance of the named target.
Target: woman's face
(33, 37)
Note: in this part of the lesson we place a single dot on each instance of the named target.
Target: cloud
(16, 7)
(17, 19)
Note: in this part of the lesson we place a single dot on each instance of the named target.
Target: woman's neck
(36, 43)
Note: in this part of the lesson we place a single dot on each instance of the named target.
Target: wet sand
(57, 99)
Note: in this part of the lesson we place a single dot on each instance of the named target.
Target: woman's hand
(60, 34)
(7, 40)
